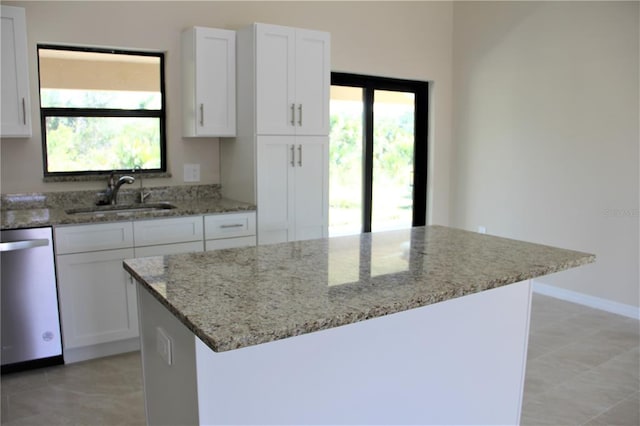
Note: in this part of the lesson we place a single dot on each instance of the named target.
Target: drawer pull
(235, 225)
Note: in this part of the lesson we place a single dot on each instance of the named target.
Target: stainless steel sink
(121, 210)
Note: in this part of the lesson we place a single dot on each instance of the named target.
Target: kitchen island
(428, 325)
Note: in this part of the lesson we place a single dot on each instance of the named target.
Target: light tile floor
(583, 366)
(583, 369)
(106, 391)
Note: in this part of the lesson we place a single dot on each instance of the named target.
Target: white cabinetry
(15, 117)
(229, 230)
(209, 82)
(159, 237)
(279, 159)
(292, 80)
(97, 298)
(292, 188)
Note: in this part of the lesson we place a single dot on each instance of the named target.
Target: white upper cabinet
(15, 117)
(292, 81)
(313, 80)
(209, 82)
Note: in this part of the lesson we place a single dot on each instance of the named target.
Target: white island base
(461, 361)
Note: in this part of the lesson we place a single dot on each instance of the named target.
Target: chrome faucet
(113, 187)
(143, 195)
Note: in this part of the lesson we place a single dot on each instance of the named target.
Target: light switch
(192, 172)
(163, 345)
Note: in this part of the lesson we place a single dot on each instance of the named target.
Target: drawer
(225, 243)
(167, 231)
(101, 236)
(229, 225)
(167, 249)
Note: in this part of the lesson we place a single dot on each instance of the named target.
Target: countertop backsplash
(126, 195)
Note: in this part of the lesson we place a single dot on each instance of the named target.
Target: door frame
(421, 131)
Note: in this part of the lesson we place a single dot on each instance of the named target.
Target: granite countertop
(242, 297)
(37, 210)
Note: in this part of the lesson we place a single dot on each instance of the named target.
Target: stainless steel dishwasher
(29, 300)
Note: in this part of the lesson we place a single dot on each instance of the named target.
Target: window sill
(100, 177)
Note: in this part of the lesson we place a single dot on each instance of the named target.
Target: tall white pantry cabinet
(280, 157)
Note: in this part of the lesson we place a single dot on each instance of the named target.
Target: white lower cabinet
(94, 237)
(226, 243)
(293, 182)
(167, 249)
(98, 304)
(97, 298)
(161, 237)
(167, 230)
(229, 230)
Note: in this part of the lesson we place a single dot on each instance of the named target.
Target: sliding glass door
(378, 154)
(393, 155)
(346, 145)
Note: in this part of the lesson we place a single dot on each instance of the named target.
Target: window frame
(104, 112)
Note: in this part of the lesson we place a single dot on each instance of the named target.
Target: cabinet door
(209, 82)
(15, 117)
(275, 188)
(97, 298)
(311, 193)
(215, 81)
(313, 79)
(275, 81)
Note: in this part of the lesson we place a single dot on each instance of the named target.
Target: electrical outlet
(482, 230)
(163, 345)
(192, 172)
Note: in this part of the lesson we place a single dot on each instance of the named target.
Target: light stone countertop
(38, 210)
(242, 297)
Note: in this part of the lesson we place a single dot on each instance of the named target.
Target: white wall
(546, 107)
(396, 39)
(546, 111)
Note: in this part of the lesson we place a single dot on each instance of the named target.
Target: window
(377, 154)
(101, 110)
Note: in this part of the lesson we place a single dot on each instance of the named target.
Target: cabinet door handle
(300, 115)
(293, 156)
(24, 112)
(300, 155)
(235, 225)
(201, 115)
(293, 114)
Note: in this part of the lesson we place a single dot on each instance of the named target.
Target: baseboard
(101, 350)
(587, 300)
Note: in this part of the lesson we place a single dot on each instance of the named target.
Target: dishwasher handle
(21, 245)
